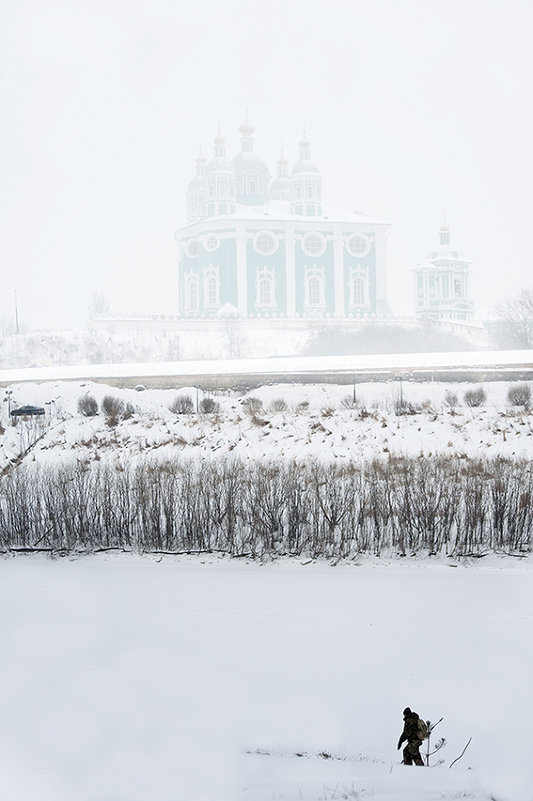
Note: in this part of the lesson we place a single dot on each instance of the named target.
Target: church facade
(442, 283)
(257, 247)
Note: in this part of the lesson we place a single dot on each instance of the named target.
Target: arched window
(265, 288)
(359, 286)
(265, 292)
(211, 291)
(211, 287)
(298, 192)
(309, 192)
(314, 291)
(191, 292)
(252, 189)
(314, 288)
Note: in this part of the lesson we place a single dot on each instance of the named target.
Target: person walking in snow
(410, 733)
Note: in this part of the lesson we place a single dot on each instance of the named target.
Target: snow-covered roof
(280, 211)
(447, 253)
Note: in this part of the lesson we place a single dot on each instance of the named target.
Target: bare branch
(462, 753)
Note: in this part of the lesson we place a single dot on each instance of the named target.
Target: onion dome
(219, 162)
(199, 179)
(246, 129)
(280, 188)
(304, 163)
(246, 163)
(282, 163)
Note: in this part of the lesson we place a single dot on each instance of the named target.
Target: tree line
(403, 506)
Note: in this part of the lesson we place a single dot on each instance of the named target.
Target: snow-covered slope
(320, 421)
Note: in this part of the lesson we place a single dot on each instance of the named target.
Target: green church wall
(323, 262)
(275, 263)
(367, 264)
(225, 259)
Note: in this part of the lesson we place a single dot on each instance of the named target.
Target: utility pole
(16, 313)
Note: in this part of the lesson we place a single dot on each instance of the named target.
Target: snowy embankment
(128, 679)
(285, 422)
(312, 471)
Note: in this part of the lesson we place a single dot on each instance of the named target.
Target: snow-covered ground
(128, 678)
(316, 423)
(473, 361)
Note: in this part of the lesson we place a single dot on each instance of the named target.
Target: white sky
(412, 107)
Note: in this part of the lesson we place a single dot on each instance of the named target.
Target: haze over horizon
(411, 108)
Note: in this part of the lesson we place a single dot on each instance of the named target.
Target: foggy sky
(412, 108)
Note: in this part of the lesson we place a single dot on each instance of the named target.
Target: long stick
(430, 729)
(462, 752)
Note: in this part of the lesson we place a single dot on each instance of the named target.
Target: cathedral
(261, 247)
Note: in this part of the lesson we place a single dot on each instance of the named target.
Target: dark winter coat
(410, 729)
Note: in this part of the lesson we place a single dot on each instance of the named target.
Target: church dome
(247, 162)
(247, 129)
(198, 182)
(445, 250)
(281, 188)
(219, 162)
(304, 165)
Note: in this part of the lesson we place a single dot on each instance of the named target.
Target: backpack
(423, 730)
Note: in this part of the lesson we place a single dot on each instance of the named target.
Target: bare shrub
(302, 407)
(402, 406)
(253, 405)
(182, 404)
(327, 411)
(129, 411)
(475, 397)
(113, 409)
(349, 402)
(447, 505)
(450, 399)
(258, 421)
(209, 406)
(279, 405)
(519, 395)
(87, 405)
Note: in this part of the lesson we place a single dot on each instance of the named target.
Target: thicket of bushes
(405, 505)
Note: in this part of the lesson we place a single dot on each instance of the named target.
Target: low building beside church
(255, 248)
